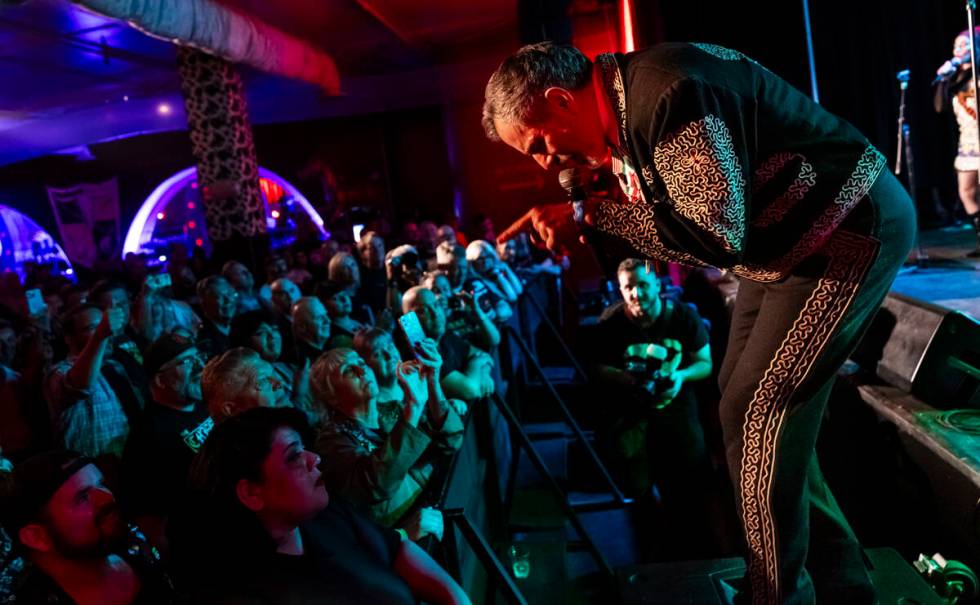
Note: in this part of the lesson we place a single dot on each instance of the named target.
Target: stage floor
(947, 278)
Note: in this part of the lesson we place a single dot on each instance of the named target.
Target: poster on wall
(88, 220)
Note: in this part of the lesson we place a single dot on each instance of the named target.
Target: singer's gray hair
(524, 77)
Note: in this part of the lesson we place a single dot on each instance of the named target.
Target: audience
(269, 532)
(380, 457)
(501, 280)
(130, 387)
(337, 301)
(469, 316)
(311, 330)
(466, 372)
(374, 278)
(403, 267)
(257, 331)
(86, 413)
(451, 258)
(284, 294)
(219, 303)
(242, 281)
(238, 380)
(68, 526)
(170, 431)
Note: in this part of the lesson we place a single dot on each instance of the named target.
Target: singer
(723, 163)
(954, 87)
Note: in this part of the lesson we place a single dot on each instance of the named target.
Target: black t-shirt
(158, 454)
(211, 341)
(348, 559)
(677, 321)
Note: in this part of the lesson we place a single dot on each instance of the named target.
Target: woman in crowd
(381, 458)
(257, 330)
(337, 301)
(271, 533)
(498, 276)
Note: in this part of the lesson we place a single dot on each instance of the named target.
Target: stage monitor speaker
(926, 350)
(710, 582)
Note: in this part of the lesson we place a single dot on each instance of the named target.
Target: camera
(651, 363)
(454, 302)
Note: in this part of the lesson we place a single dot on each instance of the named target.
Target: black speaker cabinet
(709, 582)
(926, 350)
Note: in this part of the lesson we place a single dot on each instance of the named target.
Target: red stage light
(199, 242)
(626, 26)
(191, 224)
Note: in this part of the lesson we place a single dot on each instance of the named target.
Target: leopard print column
(221, 137)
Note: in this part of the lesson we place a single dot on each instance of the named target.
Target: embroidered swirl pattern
(805, 179)
(721, 52)
(636, 224)
(704, 179)
(850, 255)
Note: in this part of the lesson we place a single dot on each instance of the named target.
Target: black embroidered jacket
(725, 163)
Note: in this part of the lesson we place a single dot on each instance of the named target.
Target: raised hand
(424, 522)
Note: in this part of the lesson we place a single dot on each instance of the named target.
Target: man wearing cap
(67, 525)
(171, 430)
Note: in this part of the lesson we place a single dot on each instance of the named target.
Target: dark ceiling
(69, 77)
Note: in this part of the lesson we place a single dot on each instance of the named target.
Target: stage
(947, 278)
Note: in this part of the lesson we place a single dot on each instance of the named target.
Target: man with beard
(171, 429)
(219, 304)
(648, 351)
(78, 549)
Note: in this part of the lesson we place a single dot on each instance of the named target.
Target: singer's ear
(559, 97)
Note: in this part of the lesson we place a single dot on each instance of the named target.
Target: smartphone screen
(358, 229)
(410, 325)
(35, 301)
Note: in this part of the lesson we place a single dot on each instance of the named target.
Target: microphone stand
(904, 144)
(971, 6)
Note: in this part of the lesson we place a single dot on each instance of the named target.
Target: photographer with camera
(648, 351)
(469, 314)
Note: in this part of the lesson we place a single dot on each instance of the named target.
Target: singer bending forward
(726, 164)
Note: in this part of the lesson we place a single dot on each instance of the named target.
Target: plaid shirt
(90, 421)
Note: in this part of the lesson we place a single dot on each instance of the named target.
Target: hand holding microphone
(949, 68)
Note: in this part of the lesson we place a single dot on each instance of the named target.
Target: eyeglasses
(192, 360)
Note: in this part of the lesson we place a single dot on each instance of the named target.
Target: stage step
(710, 582)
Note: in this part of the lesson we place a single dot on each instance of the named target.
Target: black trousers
(787, 341)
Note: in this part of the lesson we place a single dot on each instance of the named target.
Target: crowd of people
(186, 431)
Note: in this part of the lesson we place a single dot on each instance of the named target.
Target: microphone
(954, 64)
(573, 181)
